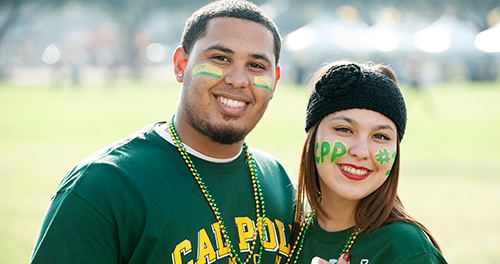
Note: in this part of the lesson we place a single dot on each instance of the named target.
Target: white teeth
(230, 102)
(354, 171)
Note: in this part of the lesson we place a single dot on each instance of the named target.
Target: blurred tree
(474, 11)
(12, 10)
(129, 14)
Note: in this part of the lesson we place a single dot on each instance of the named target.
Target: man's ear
(278, 76)
(180, 60)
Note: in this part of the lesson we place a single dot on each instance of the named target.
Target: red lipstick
(354, 172)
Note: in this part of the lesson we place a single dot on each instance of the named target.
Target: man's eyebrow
(261, 57)
(221, 48)
(230, 51)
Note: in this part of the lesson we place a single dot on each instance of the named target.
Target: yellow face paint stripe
(263, 82)
(207, 69)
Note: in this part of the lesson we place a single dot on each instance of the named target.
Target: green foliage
(450, 161)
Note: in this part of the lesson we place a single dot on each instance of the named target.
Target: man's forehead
(216, 35)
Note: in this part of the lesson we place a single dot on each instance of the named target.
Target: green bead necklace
(302, 235)
(259, 199)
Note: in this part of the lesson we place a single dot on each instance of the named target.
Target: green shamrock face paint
(207, 69)
(336, 150)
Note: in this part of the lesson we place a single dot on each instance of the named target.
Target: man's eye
(221, 58)
(256, 65)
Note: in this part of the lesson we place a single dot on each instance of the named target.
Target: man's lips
(354, 173)
(230, 102)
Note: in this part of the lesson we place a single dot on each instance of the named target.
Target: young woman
(347, 205)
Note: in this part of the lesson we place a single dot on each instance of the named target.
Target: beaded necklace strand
(302, 235)
(259, 199)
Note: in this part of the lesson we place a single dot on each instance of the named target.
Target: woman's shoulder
(406, 234)
(400, 242)
(401, 229)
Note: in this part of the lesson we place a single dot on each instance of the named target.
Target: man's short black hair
(196, 25)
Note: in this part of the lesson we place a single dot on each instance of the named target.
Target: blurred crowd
(75, 42)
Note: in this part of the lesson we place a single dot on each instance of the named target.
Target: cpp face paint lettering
(335, 149)
(339, 150)
(263, 82)
(207, 69)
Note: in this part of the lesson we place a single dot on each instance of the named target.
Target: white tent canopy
(446, 34)
(327, 34)
(489, 39)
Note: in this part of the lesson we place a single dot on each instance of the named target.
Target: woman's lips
(354, 173)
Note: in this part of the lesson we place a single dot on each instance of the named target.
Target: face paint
(263, 82)
(383, 155)
(338, 149)
(325, 149)
(207, 69)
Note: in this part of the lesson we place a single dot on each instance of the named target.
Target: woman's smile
(354, 173)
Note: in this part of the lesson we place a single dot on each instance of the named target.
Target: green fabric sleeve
(81, 234)
(426, 258)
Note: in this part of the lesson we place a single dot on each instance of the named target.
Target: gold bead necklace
(302, 235)
(257, 190)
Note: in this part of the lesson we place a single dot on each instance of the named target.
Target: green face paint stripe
(263, 82)
(207, 73)
(388, 172)
(263, 86)
(339, 150)
(207, 69)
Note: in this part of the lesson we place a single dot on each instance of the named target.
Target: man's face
(229, 78)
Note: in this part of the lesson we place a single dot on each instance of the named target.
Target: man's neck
(203, 144)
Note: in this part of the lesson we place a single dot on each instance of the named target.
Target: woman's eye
(382, 137)
(342, 129)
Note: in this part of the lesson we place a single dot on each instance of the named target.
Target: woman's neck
(340, 216)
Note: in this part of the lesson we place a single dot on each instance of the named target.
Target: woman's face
(355, 151)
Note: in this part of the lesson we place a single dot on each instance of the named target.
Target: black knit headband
(349, 86)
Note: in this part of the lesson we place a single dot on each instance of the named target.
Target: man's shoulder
(112, 159)
(266, 160)
(262, 155)
(269, 164)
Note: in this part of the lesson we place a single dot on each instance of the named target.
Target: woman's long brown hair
(378, 209)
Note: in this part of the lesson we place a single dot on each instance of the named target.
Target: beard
(225, 134)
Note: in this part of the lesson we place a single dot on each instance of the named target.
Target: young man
(187, 190)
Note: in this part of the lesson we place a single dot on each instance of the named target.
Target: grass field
(450, 153)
